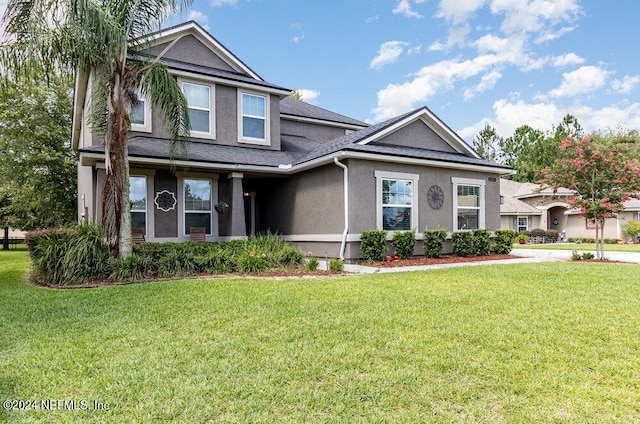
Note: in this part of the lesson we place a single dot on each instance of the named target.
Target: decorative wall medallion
(165, 200)
(555, 221)
(435, 196)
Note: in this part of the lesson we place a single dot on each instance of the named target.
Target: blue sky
(474, 62)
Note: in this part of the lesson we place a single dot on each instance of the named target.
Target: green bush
(553, 235)
(575, 256)
(537, 232)
(404, 243)
(373, 244)
(522, 237)
(631, 229)
(69, 256)
(462, 242)
(481, 246)
(434, 242)
(336, 265)
(311, 264)
(503, 241)
(587, 255)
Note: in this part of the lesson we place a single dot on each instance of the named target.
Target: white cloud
(388, 53)
(510, 115)
(626, 84)
(296, 39)
(404, 8)
(567, 60)
(309, 96)
(373, 19)
(533, 15)
(218, 3)
(199, 17)
(458, 11)
(487, 82)
(583, 80)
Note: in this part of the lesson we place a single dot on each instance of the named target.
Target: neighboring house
(525, 207)
(316, 177)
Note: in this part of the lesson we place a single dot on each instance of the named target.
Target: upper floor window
(396, 200)
(253, 118)
(200, 101)
(468, 208)
(141, 115)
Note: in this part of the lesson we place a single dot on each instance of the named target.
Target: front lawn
(501, 343)
(580, 246)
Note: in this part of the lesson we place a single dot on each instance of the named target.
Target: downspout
(346, 206)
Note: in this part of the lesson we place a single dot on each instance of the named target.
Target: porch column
(238, 227)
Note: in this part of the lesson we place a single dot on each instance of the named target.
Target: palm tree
(97, 39)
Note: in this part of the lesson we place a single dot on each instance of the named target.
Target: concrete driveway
(633, 257)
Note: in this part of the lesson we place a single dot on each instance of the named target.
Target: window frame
(211, 134)
(266, 141)
(184, 205)
(146, 202)
(396, 176)
(470, 182)
(146, 125)
(518, 225)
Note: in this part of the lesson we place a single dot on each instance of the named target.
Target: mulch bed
(437, 261)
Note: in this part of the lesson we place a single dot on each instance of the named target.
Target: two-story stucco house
(316, 177)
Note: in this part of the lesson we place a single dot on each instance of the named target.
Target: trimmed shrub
(404, 243)
(373, 244)
(503, 241)
(481, 246)
(434, 242)
(537, 232)
(462, 242)
(553, 235)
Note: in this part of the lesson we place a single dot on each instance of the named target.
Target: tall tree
(95, 39)
(38, 172)
(518, 152)
(601, 175)
(487, 143)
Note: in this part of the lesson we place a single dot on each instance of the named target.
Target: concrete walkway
(529, 256)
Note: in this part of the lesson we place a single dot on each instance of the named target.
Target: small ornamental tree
(601, 175)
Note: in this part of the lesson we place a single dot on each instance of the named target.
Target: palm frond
(165, 93)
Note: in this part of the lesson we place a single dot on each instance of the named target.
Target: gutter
(343, 245)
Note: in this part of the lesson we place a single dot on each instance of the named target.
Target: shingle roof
(293, 107)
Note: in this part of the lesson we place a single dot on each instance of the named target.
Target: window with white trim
(197, 204)
(396, 201)
(522, 223)
(141, 115)
(200, 103)
(253, 122)
(468, 207)
(138, 201)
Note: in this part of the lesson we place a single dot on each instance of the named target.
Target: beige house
(525, 206)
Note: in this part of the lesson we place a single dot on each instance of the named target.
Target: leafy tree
(602, 176)
(487, 143)
(93, 39)
(519, 152)
(38, 172)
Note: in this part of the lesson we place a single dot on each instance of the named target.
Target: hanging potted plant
(221, 207)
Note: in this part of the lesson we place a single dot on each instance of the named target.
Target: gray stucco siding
(190, 50)
(417, 134)
(362, 195)
(306, 203)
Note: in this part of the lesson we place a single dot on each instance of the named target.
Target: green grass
(552, 342)
(581, 246)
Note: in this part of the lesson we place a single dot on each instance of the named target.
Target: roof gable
(416, 134)
(435, 129)
(189, 42)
